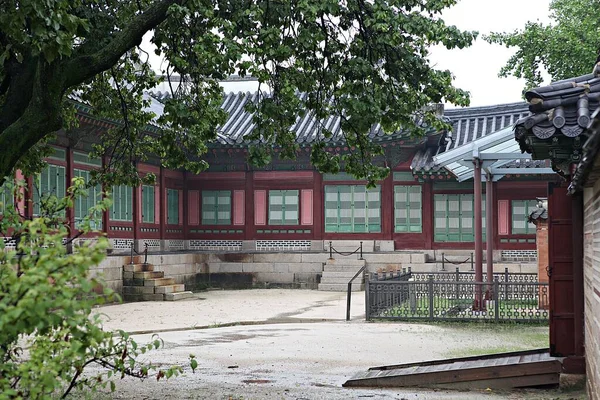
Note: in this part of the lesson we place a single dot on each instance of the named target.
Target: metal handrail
(345, 254)
(145, 253)
(445, 260)
(349, 296)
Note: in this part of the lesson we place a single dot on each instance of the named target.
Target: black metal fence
(454, 296)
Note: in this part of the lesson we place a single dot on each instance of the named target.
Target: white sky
(475, 68)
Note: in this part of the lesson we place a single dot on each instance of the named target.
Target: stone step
(338, 274)
(159, 281)
(127, 290)
(180, 287)
(337, 287)
(131, 281)
(346, 261)
(138, 267)
(143, 297)
(341, 280)
(178, 296)
(342, 268)
(148, 275)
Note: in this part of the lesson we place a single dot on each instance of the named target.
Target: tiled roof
(583, 173)
(307, 128)
(563, 107)
(470, 123)
(560, 112)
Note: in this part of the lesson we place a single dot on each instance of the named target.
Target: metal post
(367, 307)
(478, 233)
(430, 293)
(506, 283)
(457, 285)
(131, 260)
(472, 262)
(349, 301)
(330, 251)
(443, 266)
(361, 256)
(496, 299)
(489, 231)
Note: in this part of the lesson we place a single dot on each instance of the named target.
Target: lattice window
(352, 208)
(172, 206)
(454, 217)
(85, 159)
(216, 207)
(83, 204)
(122, 207)
(520, 212)
(408, 208)
(51, 182)
(283, 207)
(148, 204)
(5, 198)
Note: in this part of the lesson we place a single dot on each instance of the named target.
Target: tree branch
(83, 67)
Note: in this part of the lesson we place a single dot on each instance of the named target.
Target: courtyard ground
(296, 344)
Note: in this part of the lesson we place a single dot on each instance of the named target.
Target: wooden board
(498, 371)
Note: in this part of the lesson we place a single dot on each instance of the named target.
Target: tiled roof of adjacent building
(469, 124)
(558, 125)
(563, 107)
(307, 128)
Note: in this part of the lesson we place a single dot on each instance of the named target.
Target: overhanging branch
(83, 67)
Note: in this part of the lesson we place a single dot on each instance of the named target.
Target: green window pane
(216, 207)
(408, 208)
(148, 197)
(49, 185)
(122, 207)
(520, 212)
(352, 208)
(172, 206)
(283, 207)
(83, 204)
(5, 198)
(454, 218)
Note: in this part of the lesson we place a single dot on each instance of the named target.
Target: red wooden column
(137, 213)
(249, 229)
(318, 207)
(162, 188)
(69, 174)
(478, 233)
(387, 207)
(489, 228)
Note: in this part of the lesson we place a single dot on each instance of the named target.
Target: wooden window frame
(148, 204)
(216, 195)
(408, 226)
(283, 220)
(353, 189)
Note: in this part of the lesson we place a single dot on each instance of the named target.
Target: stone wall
(591, 268)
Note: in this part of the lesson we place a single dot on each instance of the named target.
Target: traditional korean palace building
(290, 206)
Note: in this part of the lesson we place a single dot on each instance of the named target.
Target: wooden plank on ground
(471, 358)
(513, 371)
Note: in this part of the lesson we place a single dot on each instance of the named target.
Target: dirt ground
(298, 346)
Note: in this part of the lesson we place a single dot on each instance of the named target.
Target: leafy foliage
(48, 336)
(363, 60)
(565, 48)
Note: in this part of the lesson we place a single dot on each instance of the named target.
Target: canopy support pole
(489, 232)
(477, 305)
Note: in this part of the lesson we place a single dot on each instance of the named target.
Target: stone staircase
(142, 283)
(337, 272)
